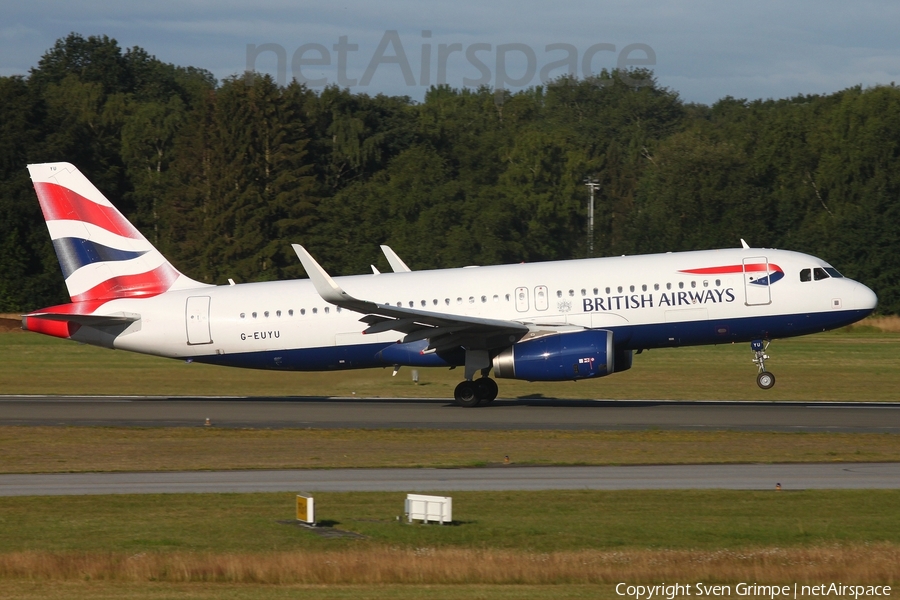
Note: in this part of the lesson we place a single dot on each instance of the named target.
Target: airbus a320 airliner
(549, 321)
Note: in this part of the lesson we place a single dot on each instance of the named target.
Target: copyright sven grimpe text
(755, 590)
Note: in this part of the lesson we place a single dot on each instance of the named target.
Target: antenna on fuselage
(744, 244)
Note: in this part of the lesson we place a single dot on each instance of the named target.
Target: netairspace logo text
(501, 65)
(702, 590)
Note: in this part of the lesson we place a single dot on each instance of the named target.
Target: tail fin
(102, 255)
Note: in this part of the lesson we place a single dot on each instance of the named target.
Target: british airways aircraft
(550, 321)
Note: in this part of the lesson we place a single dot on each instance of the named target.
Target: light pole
(592, 184)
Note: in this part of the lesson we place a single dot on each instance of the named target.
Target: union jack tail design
(102, 255)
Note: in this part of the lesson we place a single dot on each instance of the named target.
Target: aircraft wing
(442, 330)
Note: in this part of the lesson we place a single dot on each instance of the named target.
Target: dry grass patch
(876, 563)
(885, 324)
(111, 590)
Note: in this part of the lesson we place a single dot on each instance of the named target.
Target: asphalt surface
(735, 477)
(440, 413)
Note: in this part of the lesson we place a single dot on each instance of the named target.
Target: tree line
(223, 176)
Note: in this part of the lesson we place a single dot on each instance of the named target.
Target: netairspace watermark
(503, 65)
(756, 590)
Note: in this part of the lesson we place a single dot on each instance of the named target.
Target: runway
(440, 413)
(734, 477)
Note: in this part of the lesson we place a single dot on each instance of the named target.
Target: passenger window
(644, 288)
(583, 292)
(680, 285)
(327, 310)
(607, 290)
(619, 289)
(291, 312)
(631, 288)
(559, 293)
(705, 283)
(718, 282)
(806, 275)
(819, 274)
(668, 286)
(656, 287)
(596, 291)
(693, 284)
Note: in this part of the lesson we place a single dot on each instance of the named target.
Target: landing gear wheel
(486, 389)
(765, 380)
(466, 394)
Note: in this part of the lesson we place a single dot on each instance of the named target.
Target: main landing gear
(764, 379)
(477, 392)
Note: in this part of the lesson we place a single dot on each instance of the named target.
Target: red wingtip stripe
(142, 285)
(58, 203)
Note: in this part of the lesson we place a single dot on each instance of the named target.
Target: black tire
(765, 380)
(466, 394)
(487, 389)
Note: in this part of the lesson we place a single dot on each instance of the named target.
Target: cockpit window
(806, 275)
(819, 273)
(833, 272)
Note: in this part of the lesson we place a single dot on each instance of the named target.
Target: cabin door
(197, 320)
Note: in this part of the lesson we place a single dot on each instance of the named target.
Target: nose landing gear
(764, 379)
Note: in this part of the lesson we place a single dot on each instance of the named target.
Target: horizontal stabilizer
(121, 318)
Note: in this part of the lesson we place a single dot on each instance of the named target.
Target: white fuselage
(647, 301)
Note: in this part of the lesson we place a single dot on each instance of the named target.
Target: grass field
(569, 544)
(536, 522)
(74, 449)
(520, 544)
(861, 364)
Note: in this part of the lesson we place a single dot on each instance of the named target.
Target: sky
(702, 49)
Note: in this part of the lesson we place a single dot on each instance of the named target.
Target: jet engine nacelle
(559, 357)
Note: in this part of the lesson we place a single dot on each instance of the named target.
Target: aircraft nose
(864, 298)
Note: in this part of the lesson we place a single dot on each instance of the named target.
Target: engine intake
(559, 357)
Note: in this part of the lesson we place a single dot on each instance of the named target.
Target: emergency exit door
(522, 299)
(197, 320)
